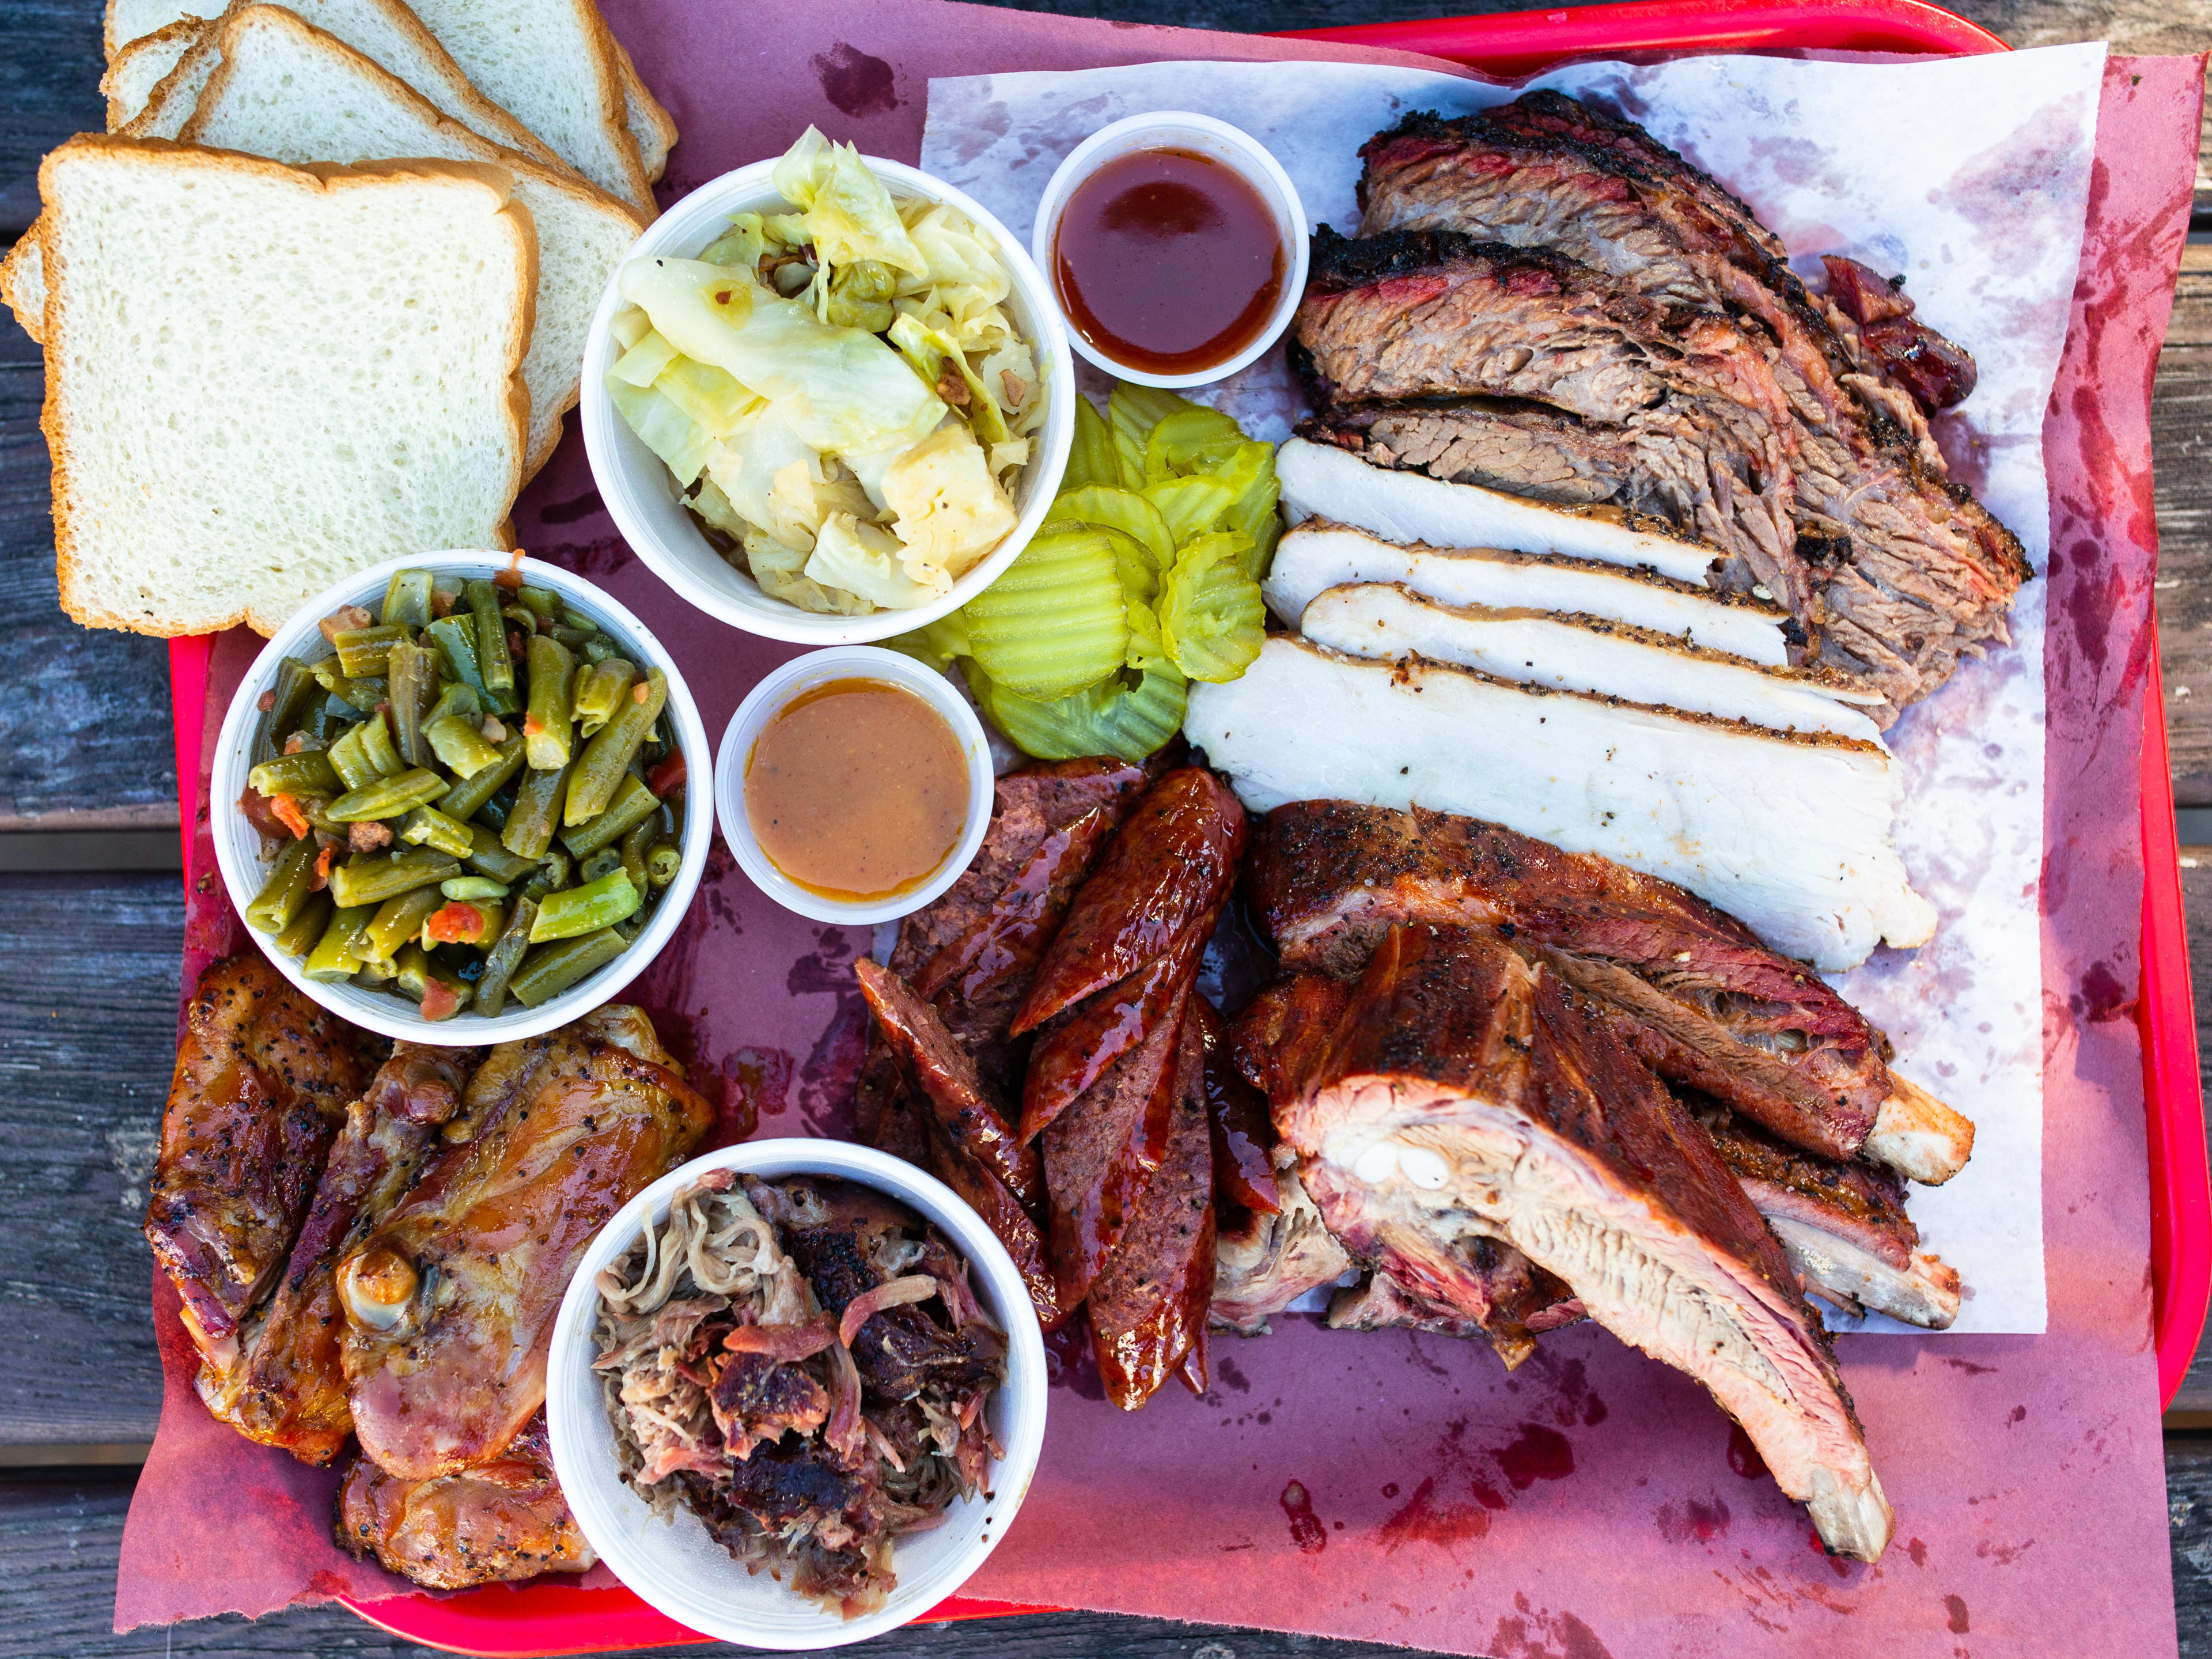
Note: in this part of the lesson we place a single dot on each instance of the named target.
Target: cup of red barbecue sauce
(1175, 245)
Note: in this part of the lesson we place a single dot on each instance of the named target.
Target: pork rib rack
(1690, 989)
(1468, 1097)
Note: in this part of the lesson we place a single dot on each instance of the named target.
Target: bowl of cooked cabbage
(827, 397)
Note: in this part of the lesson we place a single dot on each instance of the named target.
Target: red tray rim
(538, 1620)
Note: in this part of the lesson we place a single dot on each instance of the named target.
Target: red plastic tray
(538, 1619)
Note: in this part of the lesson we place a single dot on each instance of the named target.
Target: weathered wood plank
(49, 67)
(2181, 436)
(88, 1023)
(61, 1534)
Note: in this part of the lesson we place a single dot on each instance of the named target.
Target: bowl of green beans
(462, 798)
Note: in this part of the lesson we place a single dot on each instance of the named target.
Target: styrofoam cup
(675, 1564)
(794, 679)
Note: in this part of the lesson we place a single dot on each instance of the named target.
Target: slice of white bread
(288, 91)
(23, 282)
(125, 20)
(141, 66)
(387, 33)
(553, 64)
(650, 126)
(260, 378)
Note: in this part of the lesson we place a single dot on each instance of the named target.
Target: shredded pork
(742, 1351)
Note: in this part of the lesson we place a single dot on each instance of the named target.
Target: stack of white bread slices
(319, 297)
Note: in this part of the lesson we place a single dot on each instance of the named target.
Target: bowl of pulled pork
(796, 1394)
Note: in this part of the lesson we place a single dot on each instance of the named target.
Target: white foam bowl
(640, 493)
(238, 844)
(794, 679)
(1200, 135)
(675, 1564)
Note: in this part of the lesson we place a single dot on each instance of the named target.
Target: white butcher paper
(1970, 176)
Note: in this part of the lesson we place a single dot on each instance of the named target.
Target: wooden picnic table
(91, 920)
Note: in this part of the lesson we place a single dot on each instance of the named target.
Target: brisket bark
(1435, 314)
(1926, 573)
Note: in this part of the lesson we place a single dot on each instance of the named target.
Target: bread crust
(641, 106)
(402, 19)
(581, 190)
(497, 181)
(186, 29)
(33, 319)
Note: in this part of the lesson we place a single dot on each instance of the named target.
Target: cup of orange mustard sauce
(854, 784)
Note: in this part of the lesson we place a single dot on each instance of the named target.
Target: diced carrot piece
(286, 812)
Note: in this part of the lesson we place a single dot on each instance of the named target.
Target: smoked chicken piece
(1263, 1261)
(450, 1303)
(1148, 1304)
(1471, 1093)
(1697, 995)
(1843, 1224)
(1163, 877)
(260, 1089)
(284, 1383)
(501, 1520)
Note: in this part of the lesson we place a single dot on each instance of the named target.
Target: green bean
(397, 921)
(426, 826)
(298, 936)
(376, 744)
(336, 955)
(455, 635)
(602, 864)
(491, 916)
(662, 863)
(488, 855)
(524, 618)
(471, 794)
(407, 598)
(547, 972)
(497, 667)
(389, 798)
(371, 878)
(560, 867)
(361, 695)
(366, 651)
(550, 720)
(469, 888)
(289, 697)
(414, 680)
(537, 812)
(459, 741)
(601, 689)
(541, 603)
(453, 698)
(505, 956)
(291, 879)
(327, 719)
(607, 757)
(307, 773)
(417, 968)
(576, 911)
(633, 803)
(374, 976)
(636, 845)
(599, 648)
